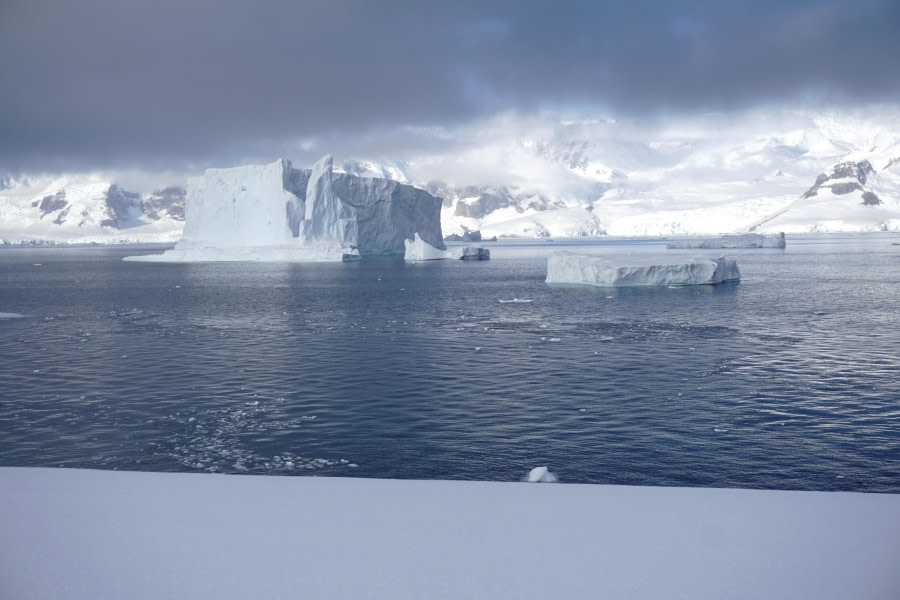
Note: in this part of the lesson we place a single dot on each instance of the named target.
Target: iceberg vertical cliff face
(275, 212)
(327, 218)
(240, 206)
(388, 213)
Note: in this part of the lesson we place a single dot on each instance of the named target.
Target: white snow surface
(745, 240)
(106, 535)
(559, 222)
(583, 269)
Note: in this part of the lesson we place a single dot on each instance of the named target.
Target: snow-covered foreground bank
(100, 534)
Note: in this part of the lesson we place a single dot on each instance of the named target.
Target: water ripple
(383, 369)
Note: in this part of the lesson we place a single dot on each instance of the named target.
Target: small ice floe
(254, 403)
(554, 340)
(6, 315)
(477, 348)
(541, 475)
(720, 429)
(516, 301)
(37, 265)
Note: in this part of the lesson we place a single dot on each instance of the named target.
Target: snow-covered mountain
(86, 209)
(709, 174)
(546, 176)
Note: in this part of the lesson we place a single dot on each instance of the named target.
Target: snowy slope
(98, 535)
(708, 174)
(849, 196)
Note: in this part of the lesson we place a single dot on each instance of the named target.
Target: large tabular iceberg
(743, 240)
(277, 213)
(580, 269)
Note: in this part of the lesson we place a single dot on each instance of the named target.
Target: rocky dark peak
(170, 200)
(870, 199)
(53, 203)
(124, 208)
(856, 171)
(487, 200)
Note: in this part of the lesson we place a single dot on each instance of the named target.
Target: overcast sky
(169, 84)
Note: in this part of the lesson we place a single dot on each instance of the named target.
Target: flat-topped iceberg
(742, 240)
(418, 249)
(581, 269)
(277, 213)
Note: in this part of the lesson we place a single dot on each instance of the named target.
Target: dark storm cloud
(163, 83)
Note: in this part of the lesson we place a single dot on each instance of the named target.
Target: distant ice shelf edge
(582, 269)
(743, 240)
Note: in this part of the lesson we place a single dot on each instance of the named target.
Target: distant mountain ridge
(790, 170)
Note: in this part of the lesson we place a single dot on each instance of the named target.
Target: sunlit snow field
(787, 380)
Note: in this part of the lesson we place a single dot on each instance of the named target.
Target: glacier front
(582, 269)
(278, 213)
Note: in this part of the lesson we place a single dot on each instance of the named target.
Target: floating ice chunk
(515, 301)
(6, 315)
(541, 475)
(419, 249)
(471, 253)
(743, 240)
(579, 269)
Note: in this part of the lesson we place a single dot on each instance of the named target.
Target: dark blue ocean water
(789, 379)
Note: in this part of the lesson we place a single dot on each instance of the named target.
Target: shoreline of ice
(85, 534)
